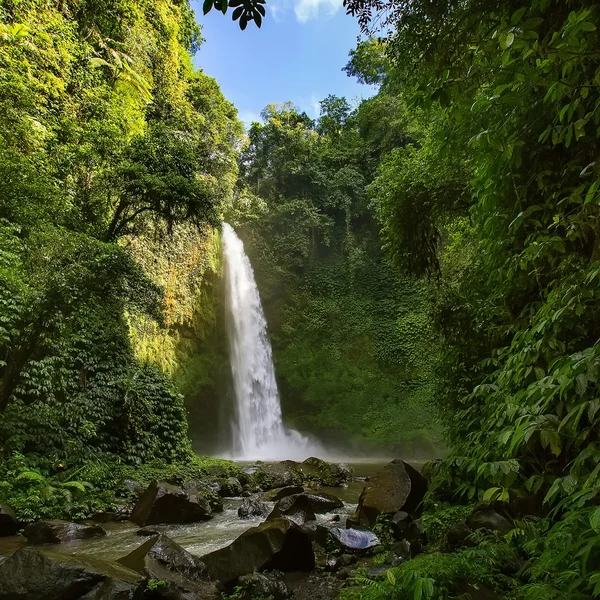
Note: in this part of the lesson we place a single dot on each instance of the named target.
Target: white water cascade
(258, 432)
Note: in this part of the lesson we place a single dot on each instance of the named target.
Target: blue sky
(297, 55)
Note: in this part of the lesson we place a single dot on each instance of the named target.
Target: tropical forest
(345, 348)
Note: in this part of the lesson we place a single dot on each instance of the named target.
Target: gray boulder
(262, 585)
(274, 544)
(165, 503)
(296, 508)
(278, 493)
(57, 532)
(253, 507)
(34, 574)
(397, 487)
(161, 559)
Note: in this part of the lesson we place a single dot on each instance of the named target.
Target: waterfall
(258, 430)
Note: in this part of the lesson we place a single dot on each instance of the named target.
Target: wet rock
(210, 490)
(275, 475)
(33, 574)
(274, 544)
(8, 521)
(253, 507)
(321, 471)
(400, 523)
(278, 493)
(165, 503)
(397, 487)
(457, 535)
(334, 563)
(354, 539)
(335, 518)
(261, 585)
(487, 517)
(161, 552)
(296, 508)
(183, 575)
(230, 487)
(322, 503)
(111, 516)
(56, 532)
(402, 549)
(376, 572)
(315, 532)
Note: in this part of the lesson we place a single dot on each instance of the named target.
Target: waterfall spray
(258, 426)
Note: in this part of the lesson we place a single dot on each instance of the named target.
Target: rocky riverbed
(283, 531)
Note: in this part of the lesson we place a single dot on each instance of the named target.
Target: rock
(165, 503)
(321, 471)
(376, 572)
(161, 552)
(399, 523)
(354, 539)
(161, 559)
(334, 563)
(34, 574)
(230, 487)
(275, 475)
(322, 503)
(261, 585)
(278, 493)
(487, 517)
(398, 486)
(296, 508)
(274, 544)
(210, 490)
(56, 532)
(402, 549)
(253, 507)
(335, 518)
(8, 521)
(457, 535)
(148, 531)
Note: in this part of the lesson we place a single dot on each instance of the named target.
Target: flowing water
(258, 430)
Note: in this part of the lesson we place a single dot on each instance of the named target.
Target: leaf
(491, 494)
(206, 7)
(237, 13)
(595, 520)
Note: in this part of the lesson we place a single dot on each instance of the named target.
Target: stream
(203, 537)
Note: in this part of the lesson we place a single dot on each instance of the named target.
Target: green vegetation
(352, 343)
(116, 160)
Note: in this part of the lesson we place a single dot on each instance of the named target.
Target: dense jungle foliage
(116, 159)
(493, 194)
(352, 342)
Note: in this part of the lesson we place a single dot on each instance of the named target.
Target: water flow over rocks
(258, 433)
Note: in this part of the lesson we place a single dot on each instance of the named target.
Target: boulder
(275, 475)
(296, 508)
(183, 575)
(261, 585)
(487, 516)
(34, 574)
(402, 549)
(279, 493)
(130, 488)
(165, 503)
(230, 487)
(354, 539)
(399, 523)
(8, 521)
(321, 503)
(253, 507)
(274, 544)
(209, 490)
(325, 473)
(56, 532)
(397, 487)
(458, 535)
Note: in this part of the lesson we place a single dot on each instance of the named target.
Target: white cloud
(309, 9)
